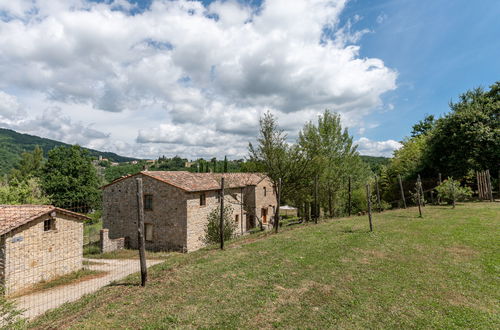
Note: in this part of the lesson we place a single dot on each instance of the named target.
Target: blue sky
(150, 78)
(439, 48)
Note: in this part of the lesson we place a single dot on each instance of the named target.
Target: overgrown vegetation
(437, 272)
(451, 190)
(212, 230)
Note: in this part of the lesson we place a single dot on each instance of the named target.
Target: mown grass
(441, 271)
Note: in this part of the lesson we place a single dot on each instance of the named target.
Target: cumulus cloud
(213, 70)
(377, 148)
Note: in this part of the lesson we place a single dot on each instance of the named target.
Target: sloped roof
(192, 182)
(13, 216)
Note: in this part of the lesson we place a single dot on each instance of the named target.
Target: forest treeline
(315, 171)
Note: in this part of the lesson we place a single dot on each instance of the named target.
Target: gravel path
(36, 304)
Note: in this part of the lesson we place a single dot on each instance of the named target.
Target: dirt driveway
(37, 303)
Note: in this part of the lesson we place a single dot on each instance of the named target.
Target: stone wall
(265, 200)
(31, 255)
(108, 245)
(198, 214)
(168, 215)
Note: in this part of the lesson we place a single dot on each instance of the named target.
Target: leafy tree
(30, 165)
(450, 189)
(468, 138)
(225, 164)
(70, 179)
(212, 231)
(408, 161)
(423, 126)
(279, 159)
(333, 159)
(27, 191)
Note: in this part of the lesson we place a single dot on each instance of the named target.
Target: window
(237, 218)
(265, 191)
(203, 199)
(148, 228)
(148, 202)
(49, 224)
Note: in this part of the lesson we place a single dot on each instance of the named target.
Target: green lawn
(441, 271)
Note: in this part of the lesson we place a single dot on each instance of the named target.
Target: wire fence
(50, 256)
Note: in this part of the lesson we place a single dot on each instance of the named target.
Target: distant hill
(375, 162)
(13, 144)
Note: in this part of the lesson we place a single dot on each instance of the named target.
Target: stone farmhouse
(177, 204)
(38, 243)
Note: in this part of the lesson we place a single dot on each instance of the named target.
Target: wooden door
(264, 215)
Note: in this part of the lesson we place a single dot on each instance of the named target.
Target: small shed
(38, 243)
(288, 210)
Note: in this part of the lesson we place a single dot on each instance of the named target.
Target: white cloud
(197, 77)
(377, 148)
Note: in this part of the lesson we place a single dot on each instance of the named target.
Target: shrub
(449, 188)
(10, 316)
(212, 231)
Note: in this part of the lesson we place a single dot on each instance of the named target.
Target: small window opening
(148, 228)
(49, 224)
(203, 199)
(148, 202)
(237, 218)
(265, 191)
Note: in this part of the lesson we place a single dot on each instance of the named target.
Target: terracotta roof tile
(205, 181)
(13, 216)
(191, 182)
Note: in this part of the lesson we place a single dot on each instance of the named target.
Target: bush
(95, 217)
(449, 188)
(10, 316)
(212, 231)
(91, 249)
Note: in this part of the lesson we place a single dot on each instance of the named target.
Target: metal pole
(140, 232)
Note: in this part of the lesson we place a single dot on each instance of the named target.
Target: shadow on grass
(348, 230)
(124, 284)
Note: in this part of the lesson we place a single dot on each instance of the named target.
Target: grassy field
(441, 271)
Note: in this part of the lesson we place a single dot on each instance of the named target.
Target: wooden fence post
(453, 192)
(402, 191)
(418, 186)
(140, 232)
(349, 197)
(316, 204)
(368, 197)
(221, 221)
(278, 201)
(378, 194)
(490, 188)
(439, 181)
(421, 190)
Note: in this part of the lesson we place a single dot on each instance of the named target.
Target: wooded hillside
(13, 144)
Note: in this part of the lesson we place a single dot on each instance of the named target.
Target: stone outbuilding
(38, 243)
(177, 205)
